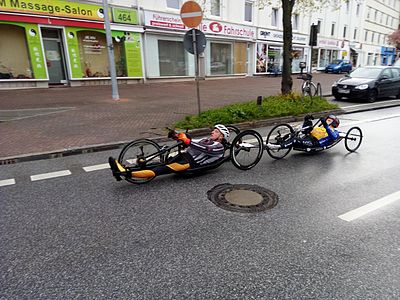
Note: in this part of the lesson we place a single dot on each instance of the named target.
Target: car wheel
(372, 96)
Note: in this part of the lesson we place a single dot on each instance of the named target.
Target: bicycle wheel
(279, 134)
(309, 88)
(246, 149)
(137, 155)
(353, 139)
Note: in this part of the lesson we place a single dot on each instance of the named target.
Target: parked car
(370, 83)
(339, 66)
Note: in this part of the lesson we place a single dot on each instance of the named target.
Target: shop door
(54, 55)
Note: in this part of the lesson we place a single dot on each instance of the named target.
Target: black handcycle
(244, 149)
(284, 132)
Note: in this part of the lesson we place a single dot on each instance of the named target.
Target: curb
(117, 145)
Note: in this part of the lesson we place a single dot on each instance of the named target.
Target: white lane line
(96, 167)
(50, 175)
(363, 210)
(366, 104)
(7, 182)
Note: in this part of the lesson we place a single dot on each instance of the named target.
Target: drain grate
(242, 197)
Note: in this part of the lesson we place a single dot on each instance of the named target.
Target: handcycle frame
(275, 136)
(161, 156)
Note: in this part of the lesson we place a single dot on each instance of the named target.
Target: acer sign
(228, 29)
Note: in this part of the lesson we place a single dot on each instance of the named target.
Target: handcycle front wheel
(279, 134)
(353, 139)
(134, 156)
(246, 149)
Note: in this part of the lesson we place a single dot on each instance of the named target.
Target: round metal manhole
(242, 197)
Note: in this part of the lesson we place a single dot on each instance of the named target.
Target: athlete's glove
(172, 134)
(183, 137)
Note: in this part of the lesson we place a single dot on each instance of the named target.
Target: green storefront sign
(124, 15)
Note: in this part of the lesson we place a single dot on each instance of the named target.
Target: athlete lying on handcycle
(313, 136)
(199, 152)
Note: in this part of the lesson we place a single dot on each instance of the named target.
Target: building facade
(63, 42)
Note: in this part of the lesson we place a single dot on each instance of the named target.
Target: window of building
(319, 24)
(366, 35)
(347, 6)
(274, 17)
(171, 58)
(248, 11)
(368, 13)
(221, 58)
(333, 29)
(372, 37)
(375, 15)
(93, 53)
(216, 8)
(174, 4)
(14, 57)
(358, 9)
(344, 31)
(355, 34)
(295, 22)
(240, 58)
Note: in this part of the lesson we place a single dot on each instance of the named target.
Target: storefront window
(240, 51)
(171, 57)
(297, 57)
(261, 63)
(14, 56)
(93, 53)
(275, 59)
(221, 59)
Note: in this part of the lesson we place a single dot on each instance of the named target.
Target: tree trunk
(287, 81)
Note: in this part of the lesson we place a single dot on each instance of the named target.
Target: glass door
(53, 49)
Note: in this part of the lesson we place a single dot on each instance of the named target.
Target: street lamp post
(110, 49)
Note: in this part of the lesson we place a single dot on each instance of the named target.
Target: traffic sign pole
(191, 15)
(196, 68)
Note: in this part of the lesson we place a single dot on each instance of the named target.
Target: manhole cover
(242, 197)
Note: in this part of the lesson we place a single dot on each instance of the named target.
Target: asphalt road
(86, 236)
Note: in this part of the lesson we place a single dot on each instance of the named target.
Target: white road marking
(363, 210)
(96, 167)
(366, 104)
(50, 175)
(7, 182)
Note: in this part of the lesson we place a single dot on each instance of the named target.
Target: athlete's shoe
(117, 169)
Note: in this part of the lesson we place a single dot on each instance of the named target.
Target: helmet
(223, 130)
(335, 121)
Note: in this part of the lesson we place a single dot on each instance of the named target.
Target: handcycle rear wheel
(133, 156)
(246, 149)
(353, 139)
(279, 134)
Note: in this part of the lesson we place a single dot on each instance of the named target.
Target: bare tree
(394, 38)
(287, 9)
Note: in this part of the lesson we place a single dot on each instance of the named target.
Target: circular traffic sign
(200, 44)
(191, 14)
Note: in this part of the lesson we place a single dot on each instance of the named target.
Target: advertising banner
(277, 36)
(228, 29)
(57, 8)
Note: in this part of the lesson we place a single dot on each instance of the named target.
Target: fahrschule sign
(58, 8)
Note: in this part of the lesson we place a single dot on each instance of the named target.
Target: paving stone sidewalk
(62, 119)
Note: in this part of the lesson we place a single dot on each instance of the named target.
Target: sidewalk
(64, 120)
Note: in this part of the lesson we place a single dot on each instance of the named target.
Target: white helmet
(223, 130)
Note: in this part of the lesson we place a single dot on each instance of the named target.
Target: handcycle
(244, 149)
(284, 132)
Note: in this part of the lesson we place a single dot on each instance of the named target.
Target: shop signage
(228, 29)
(161, 20)
(57, 8)
(124, 15)
(271, 35)
(328, 43)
